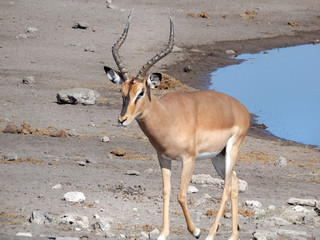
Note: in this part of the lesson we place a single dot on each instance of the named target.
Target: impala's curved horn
(144, 70)
(116, 47)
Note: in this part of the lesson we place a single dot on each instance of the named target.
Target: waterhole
(281, 87)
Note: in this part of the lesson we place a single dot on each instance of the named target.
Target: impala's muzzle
(121, 121)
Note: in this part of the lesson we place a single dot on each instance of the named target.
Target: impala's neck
(150, 121)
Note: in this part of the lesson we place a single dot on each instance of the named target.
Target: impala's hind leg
(224, 164)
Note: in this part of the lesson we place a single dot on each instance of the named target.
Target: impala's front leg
(166, 177)
(187, 170)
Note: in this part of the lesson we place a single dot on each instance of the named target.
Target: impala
(186, 127)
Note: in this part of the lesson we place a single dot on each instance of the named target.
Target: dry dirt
(55, 56)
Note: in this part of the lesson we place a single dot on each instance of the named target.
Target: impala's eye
(141, 93)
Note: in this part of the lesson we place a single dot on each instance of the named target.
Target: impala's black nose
(121, 121)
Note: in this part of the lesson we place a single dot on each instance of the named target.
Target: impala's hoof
(161, 238)
(198, 233)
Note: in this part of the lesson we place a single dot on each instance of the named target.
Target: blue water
(281, 86)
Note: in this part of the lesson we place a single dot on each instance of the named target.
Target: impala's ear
(113, 75)
(154, 80)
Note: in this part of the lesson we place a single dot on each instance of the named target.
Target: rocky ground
(48, 149)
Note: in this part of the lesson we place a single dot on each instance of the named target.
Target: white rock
(24, 234)
(90, 48)
(75, 220)
(105, 139)
(281, 162)
(81, 25)
(23, 35)
(154, 234)
(32, 30)
(84, 96)
(303, 202)
(264, 235)
(10, 157)
(192, 189)
(91, 160)
(39, 217)
(271, 208)
(67, 238)
(278, 221)
(206, 179)
(104, 224)
(28, 80)
(112, 6)
(291, 233)
(230, 52)
(74, 197)
(145, 235)
(133, 172)
(82, 163)
(243, 186)
(253, 204)
(73, 133)
(57, 186)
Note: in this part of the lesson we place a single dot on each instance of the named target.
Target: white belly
(200, 156)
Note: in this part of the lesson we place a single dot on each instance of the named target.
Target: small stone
(145, 235)
(206, 179)
(112, 6)
(82, 163)
(67, 238)
(281, 162)
(291, 233)
(90, 48)
(253, 204)
(28, 80)
(81, 25)
(57, 186)
(91, 160)
(227, 215)
(32, 30)
(39, 217)
(303, 202)
(133, 172)
(73, 133)
(23, 35)
(77, 221)
(103, 224)
(84, 96)
(77, 197)
(10, 157)
(271, 208)
(154, 234)
(243, 186)
(10, 128)
(149, 171)
(24, 234)
(230, 52)
(105, 139)
(192, 189)
(189, 69)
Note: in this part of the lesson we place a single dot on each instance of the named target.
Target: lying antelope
(186, 127)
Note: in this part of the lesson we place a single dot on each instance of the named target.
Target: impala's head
(136, 91)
